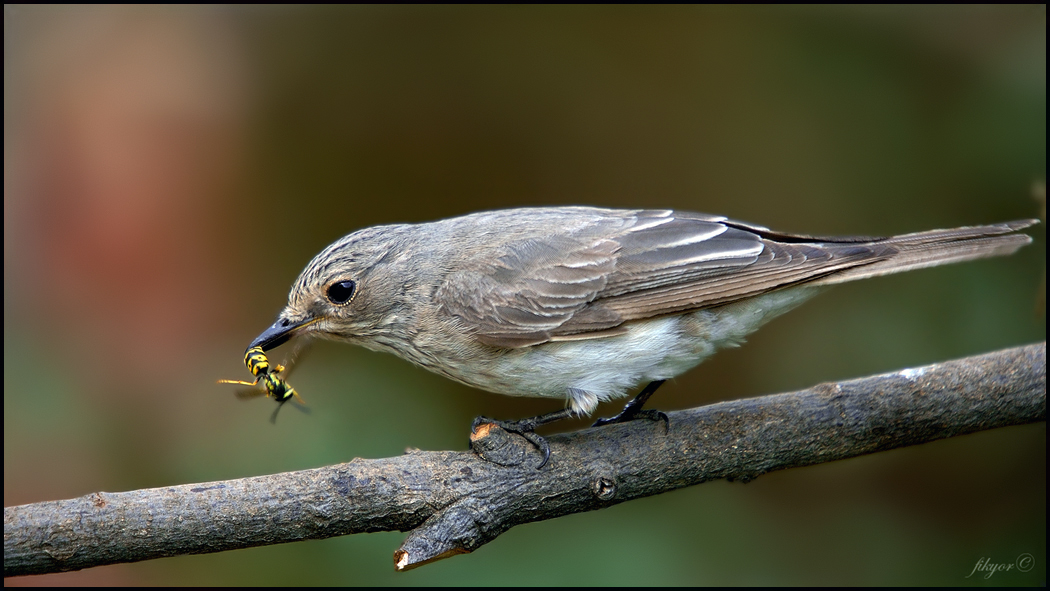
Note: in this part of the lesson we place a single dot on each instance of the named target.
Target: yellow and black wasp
(268, 381)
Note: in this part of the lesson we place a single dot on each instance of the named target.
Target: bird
(581, 303)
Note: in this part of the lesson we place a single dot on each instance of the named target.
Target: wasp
(268, 381)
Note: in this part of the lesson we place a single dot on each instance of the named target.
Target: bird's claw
(525, 428)
(630, 414)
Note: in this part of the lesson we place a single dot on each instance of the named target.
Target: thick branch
(456, 501)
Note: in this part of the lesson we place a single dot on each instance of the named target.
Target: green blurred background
(168, 171)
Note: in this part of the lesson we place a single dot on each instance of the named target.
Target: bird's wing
(586, 281)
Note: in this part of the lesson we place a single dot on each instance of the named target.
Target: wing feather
(587, 280)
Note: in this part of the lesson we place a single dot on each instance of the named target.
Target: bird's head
(348, 292)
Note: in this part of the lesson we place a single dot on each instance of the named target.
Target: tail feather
(938, 247)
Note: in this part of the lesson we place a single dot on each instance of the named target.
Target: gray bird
(582, 303)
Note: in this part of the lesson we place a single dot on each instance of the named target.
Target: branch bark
(454, 502)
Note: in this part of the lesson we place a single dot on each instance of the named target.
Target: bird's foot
(633, 409)
(527, 429)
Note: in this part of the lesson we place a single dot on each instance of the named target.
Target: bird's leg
(527, 427)
(633, 409)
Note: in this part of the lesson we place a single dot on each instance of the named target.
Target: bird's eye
(342, 292)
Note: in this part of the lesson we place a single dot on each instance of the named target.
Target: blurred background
(168, 171)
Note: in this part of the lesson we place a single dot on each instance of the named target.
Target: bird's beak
(279, 333)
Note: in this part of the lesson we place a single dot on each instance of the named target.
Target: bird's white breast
(587, 372)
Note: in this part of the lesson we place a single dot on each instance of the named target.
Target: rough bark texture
(454, 502)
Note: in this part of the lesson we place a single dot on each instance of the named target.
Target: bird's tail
(938, 247)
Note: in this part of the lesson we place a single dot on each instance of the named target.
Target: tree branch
(454, 502)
